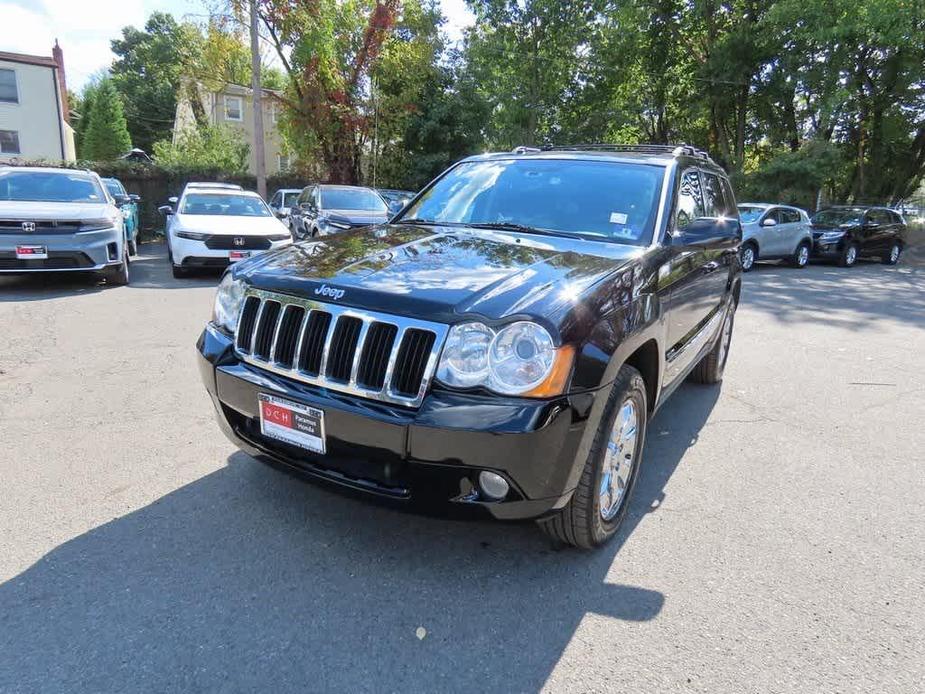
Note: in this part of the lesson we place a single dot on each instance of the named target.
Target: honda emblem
(238, 240)
(28, 226)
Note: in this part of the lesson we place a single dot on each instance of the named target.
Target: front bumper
(426, 460)
(87, 250)
(828, 248)
(192, 253)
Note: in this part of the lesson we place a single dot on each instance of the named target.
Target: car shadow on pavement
(851, 298)
(249, 580)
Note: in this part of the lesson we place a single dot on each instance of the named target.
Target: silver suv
(774, 232)
(60, 219)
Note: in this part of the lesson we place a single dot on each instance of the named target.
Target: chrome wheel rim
(748, 258)
(619, 459)
(851, 255)
(803, 255)
(894, 254)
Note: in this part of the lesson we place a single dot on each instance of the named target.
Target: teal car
(129, 206)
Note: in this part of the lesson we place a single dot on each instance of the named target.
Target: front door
(705, 236)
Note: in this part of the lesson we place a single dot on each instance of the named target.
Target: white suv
(212, 227)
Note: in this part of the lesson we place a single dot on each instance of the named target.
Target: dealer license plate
(291, 422)
(31, 253)
(235, 256)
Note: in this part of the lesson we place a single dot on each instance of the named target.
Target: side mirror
(121, 199)
(165, 210)
(134, 198)
(769, 222)
(172, 201)
(282, 212)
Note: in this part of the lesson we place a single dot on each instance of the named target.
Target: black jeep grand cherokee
(499, 347)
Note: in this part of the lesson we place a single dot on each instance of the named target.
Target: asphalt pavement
(776, 542)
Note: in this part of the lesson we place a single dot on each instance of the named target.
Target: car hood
(356, 217)
(439, 273)
(228, 224)
(36, 211)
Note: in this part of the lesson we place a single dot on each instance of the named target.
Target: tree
(106, 136)
(329, 50)
(211, 148)
(147, 74)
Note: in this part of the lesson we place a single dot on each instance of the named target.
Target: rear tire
(892, 257)
(748, 256)
(710, 369)
(581, 523)
(849, 256)
(800, 257)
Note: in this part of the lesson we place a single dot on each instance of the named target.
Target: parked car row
(841, 233)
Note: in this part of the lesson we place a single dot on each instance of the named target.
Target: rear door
(792, 230)
(875, 229)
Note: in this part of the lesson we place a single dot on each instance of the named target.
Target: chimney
(58, 56)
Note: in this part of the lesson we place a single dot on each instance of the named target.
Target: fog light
(493, 486)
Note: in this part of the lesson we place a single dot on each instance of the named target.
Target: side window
(316, 198)
(774, 213)
(714, 198)
(790, 216)
(690, 200)
(878, 217)
(303, 196)
(274, 201)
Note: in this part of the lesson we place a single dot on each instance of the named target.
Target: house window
(233, 108)
(284, 161)
(9, 142)
(274, 111)
(8, 92)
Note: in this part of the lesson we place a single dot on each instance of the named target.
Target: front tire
(892, 257)
(800, 257)
(600, 502)
(748, 256)
(118, 275)
(710, 369)
(133, 247)
(849, 256)
(179, 272)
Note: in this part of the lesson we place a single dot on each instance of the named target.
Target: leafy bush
(207, 148)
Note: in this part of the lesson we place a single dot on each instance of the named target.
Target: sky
(84, 28)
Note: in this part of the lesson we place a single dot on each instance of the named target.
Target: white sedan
(215, 227)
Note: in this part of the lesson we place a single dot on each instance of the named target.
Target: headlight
(517, 359)
(191, 235)
(228, 299)
(98, 224)
(832, 235)
(279, 237)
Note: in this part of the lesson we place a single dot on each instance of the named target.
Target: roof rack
(675, 150)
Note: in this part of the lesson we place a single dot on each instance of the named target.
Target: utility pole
(260, 168)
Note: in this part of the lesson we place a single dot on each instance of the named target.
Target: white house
(34, 117)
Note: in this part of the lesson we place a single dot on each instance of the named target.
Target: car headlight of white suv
(229, 297)
(515, 359)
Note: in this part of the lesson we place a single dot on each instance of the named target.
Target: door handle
(712, 266)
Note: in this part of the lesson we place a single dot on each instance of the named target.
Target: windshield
(226, 205)
(46, 186)
(351, 199)
(837, 217)
(750, 214)
(610, 200)
(114, 187)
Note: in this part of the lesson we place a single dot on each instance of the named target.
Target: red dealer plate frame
(30, 252)
(235, 256)
(291, 422)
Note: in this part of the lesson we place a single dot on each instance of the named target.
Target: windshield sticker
(617, 218)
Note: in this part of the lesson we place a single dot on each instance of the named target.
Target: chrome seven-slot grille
(365, 353)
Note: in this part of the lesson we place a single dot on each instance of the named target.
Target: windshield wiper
(425, 222)
(511, 226)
